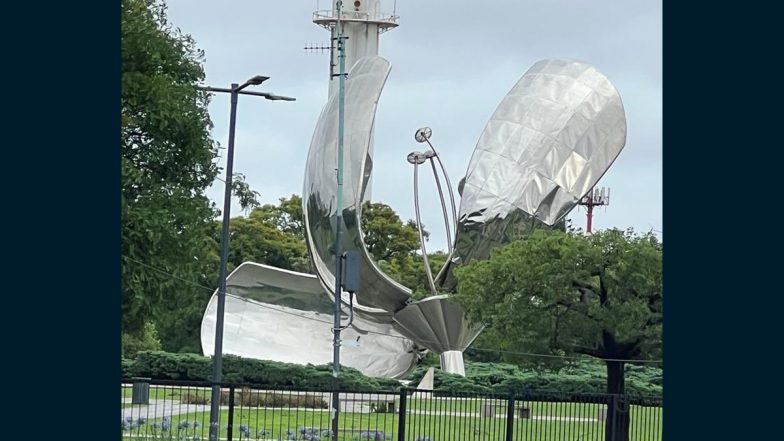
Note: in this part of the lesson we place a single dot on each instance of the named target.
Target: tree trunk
(617, 422)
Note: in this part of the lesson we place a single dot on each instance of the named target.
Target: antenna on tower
(597, 197)
(321, 48)
(363, 20)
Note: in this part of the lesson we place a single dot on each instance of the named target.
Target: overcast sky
(452, 63)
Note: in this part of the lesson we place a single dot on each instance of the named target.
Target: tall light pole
(341, 46)
(217, 366)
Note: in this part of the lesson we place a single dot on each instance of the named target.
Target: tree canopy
(387, 237)
(272, 235)
(166, 160)
(563, 293)
(395, 246)
(169, 243)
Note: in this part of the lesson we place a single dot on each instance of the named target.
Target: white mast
(363, 21)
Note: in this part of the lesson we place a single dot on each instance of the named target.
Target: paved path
(162, 408)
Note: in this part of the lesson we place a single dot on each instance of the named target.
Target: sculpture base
(452, 362)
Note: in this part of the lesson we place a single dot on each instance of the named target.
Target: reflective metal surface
(423, 135)
(452, 362)
(282, 315)
(548, 143)
(433, 323)
(363, 87)
(437, 324)
(425, 260)
(417, 159)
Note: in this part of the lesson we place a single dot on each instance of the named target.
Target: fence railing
(179, 410)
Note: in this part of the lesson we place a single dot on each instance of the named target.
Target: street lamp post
(217, 371)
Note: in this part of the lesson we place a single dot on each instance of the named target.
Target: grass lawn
(426, 417)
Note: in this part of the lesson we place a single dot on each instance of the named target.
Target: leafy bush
(582, 376)
(164, 365)
(127, 368)
(195, 398)
(250, 398)
(456, 383)
(147, 341)
(161, 365)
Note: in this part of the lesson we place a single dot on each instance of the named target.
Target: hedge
(584, 376)
(161, 365)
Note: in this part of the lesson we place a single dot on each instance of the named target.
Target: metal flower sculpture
(548, 143)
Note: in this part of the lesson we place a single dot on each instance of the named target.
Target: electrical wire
(500, 351)
(351, 309)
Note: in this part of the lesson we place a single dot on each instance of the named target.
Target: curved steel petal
(443, 327)
(281, 315)
(380, 294)
(548, 143)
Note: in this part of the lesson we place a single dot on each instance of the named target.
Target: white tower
(363, 22)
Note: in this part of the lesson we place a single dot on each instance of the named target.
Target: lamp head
(258, 79)
(273, 97)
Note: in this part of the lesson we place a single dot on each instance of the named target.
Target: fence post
(613, 420)
(230, 426)
(401, 416)
(510, 417)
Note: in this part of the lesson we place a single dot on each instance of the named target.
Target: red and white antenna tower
(595, 198)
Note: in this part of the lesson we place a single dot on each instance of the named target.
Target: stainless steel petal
(437, 324)
(365, 81)
(548, 143)
(281, 315)
(433, 323)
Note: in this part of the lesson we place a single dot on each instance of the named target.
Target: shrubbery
(169, 366)
(127, 366)
(246, 397)
(147, 341)
(161, 365)
(584, 376)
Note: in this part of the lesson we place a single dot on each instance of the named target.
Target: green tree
(407, 270)
(272, 235)
(563, 293)
(247, 197)
(394, 245)
(387, 237)
(166, 160)
(148, 341)
(169, 249)
(287, 216)
(254, 240)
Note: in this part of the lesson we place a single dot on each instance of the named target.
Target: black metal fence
(177, 410)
